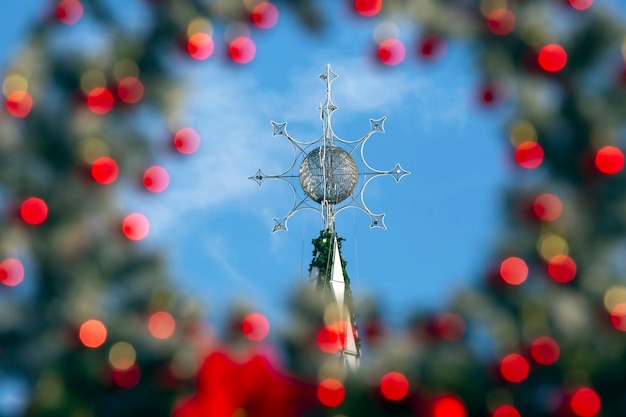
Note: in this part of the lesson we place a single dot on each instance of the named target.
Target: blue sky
(215, 224)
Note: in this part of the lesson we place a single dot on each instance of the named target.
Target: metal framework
(328, 174)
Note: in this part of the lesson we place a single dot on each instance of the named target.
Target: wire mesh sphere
(328, 173)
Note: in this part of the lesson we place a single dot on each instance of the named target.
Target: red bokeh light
(130, 90)
(514, 368)
(585, 402)
(529, 154)
(501, 21)
(552, 57)
(19, 103)
(394, 386)
(69, 11)
(450, 326)
(135, 226)
(368, 8)
(562, 268)
(156, 179)
(506, 411)
(200, 46)
(490, 93)
(104, 170)
(609, 160)
(126, 378)
(34, 211)
(186, 140)
(11, 272)
(242, 50)
(264, 15)
(432, 47)
(161, 325)
(100, 100)
(545, 350)
(255, 327)
(618, 317)
(581, 4)
(331, 392)
(547, 207)
(330, 338)
(391, 52)
(92, 333)
(513, 270)
(449, 406)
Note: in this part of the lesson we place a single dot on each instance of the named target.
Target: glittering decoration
(328, 175)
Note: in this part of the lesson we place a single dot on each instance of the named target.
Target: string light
(130, 90)
(545, 350)
(547, 207)
(562, 268)
(368, 8)
(529, 155)
(161, 325)
(255, 327)
(506, 411)
(264, 15)
(11, 272)
(104, 170)
(449, 406)
(69, 11)
(585, 402)
(513, 270)
(391, 52)
(100, 100)
(501, 21)
(200, 46)
(331, 392)
(609, 160)
(394, 386)
(135, 226)
(34, 211)
(581, 4)
(552, 57)
(19, 103)
(92, 333)
(156, 179)
(514, 368)
(242, 50)
(186, 140)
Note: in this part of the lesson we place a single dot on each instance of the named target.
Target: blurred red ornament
(618, 317)
(11, 272)
(186, 140)
(104, 170)
(161, 325)
(130, 90)
(92, 333)
(200, 46)
(501, 21)
(225, 385)
(264, 15)
(242, 50)
(34, 211)
(330, 338)
(450, 326)
(547, 207)
(432, 47)
(19, 103)
(391, 52)
(394, 386)
(581, 4)
(255, 327)
(126, 378)
(135, 226)
(69, 11)
(449, 406)
(585, 402)
(506, 411)
(368, 8)
(545, 350)
(562, 268)
(331, 392)
(156, 179)
(100, 100)
(609, 160)
(513, 270)
(514, 368)
(529, 155)
(552, 57)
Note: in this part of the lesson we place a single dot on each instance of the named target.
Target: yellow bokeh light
(14, 82)
(332, 369)
(486, 6)
(184, 364)
(386, 30)
(550, 245)
(521, 131)
(614, 296)
(125, 68)
(92, 79)
(122, 356)
(332, 314)
(200, 25)
(91, 149)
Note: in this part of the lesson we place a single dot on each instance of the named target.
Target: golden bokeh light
(91, 148)
(522, 131)
(200, 25)
(122, 356)
(614, 296)
(332, 314)
(125, 68)
(14, 82)
(487, 6)
(551, 245)
(92, 79)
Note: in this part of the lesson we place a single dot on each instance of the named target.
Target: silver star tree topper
(328, 174)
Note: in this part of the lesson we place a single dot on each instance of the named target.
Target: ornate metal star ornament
(328, 173)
